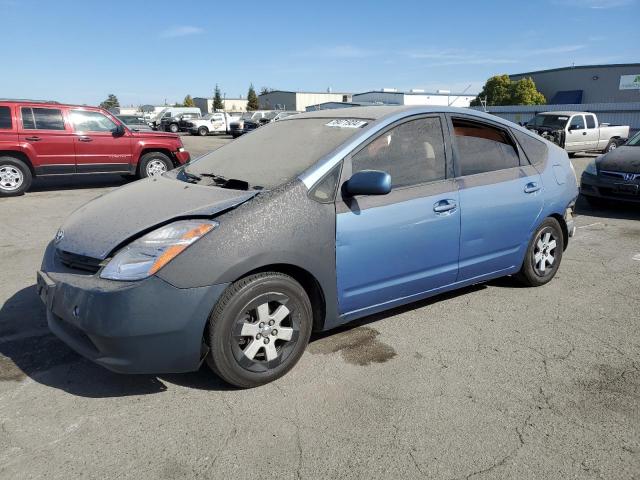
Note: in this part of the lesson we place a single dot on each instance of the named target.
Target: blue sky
(149, 51)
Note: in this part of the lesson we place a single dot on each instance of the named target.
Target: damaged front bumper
(148, 326)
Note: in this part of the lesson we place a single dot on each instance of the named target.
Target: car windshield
(556, 122)
(208, 116)
(275, 153)
(270, 115)
(635, 140)
(247, 116)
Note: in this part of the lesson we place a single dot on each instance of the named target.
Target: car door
(592, 133)
(576, 134)
(99, 149)
(500, 198)
(218, 123)
(395, 247)
(45, 134)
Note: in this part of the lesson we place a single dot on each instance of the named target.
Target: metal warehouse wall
(599, 84)
(614, 113)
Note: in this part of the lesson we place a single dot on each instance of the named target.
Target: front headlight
(591, 168)
(148, 254)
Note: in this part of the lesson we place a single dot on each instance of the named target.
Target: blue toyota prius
(301, 226)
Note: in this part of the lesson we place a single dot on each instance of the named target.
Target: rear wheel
(15, 177)
(259, 329)
(203, 131)
(154, 164)
(543, 255)
(612, 145)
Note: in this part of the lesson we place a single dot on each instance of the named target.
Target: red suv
(47, 138)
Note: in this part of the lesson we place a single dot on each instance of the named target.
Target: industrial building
(230, 104)
(391, 96)
(616, 83)
(298, 101)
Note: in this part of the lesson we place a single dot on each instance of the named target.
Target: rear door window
(5, 118)
(36, 118)
(483, 148)
(591, 121)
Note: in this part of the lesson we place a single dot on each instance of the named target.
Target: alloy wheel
(11, 178)
(544, 252)
(264, 335)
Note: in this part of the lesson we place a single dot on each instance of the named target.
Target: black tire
(612, 145)
(15, 177)
(174, 128)
(237, 310)
(150, 159)
(534, 271)
(571, 154)
(203, 131)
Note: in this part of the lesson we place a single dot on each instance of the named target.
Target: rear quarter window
(42, 118)
(5, 118)
(534, 149)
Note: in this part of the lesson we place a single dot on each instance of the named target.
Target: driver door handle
(33, 139)
(445, 206)
(84, 138)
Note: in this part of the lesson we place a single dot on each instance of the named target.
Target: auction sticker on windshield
(346, 123)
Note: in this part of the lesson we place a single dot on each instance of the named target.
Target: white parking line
(591, 225)
(636, 257)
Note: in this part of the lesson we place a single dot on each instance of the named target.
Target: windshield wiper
(224, 182)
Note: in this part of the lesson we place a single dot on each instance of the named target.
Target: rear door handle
(445, 206)
(85, 139)
(33, 139)
(531, 187)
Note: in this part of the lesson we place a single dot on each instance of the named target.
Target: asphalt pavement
(493, 381)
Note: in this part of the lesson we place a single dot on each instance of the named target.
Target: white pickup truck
(578, 131)
(217, 122)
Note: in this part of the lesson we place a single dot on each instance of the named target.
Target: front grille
(620, 175)
(79, 262)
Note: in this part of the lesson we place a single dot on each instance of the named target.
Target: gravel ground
(494, 381)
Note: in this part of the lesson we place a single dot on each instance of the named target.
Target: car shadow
(29, 349)
(608, 209)
(76, 182)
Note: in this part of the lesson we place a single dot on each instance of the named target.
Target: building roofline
(577, 67)
(302, 91)
(452, 94)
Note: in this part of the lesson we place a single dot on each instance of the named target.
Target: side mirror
(119, 131)
(368, 182)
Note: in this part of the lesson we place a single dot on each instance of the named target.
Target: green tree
(496, 91)
(188, 102)
(252, 99)
(218, 103)
(500, 90)
(110, 102)
(524, 92)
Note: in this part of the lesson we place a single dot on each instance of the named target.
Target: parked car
(178, 123)
(47, 138)
(269, 117)
(170, 112)
(217, 122)
(614, 175)
(237, 128)
(306, 224)
(134, 122)
(578, 131)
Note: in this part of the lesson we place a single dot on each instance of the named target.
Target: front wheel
(203, 131)
(154, 164)
(259, 329)
(173, 128)
(543, 255)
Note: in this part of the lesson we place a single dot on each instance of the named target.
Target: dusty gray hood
(622, 159)
(98, 227)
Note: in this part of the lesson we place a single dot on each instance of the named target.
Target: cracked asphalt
(494, 381)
